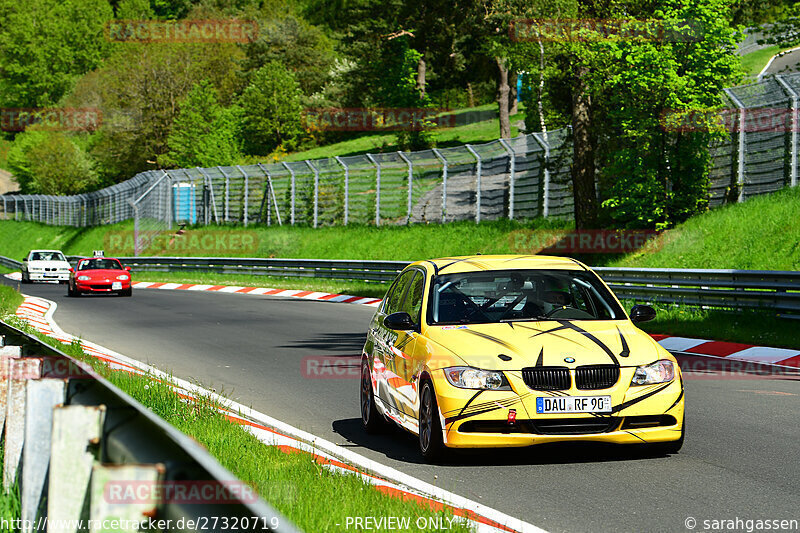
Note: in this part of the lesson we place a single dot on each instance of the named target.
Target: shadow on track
(399, 445)
(352, 343)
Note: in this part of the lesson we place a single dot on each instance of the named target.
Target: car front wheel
(431, 444)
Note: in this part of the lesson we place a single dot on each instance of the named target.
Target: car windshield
(100, 264)
(47, 256)
(515, 295)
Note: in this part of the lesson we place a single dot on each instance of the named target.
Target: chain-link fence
(524, 177)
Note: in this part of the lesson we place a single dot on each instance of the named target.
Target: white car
(45, 265)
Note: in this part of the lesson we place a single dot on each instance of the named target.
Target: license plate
(116, 286)
(573, 404)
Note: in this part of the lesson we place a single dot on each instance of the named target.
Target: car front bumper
(101, 286)
(48, 276)
(640, 414)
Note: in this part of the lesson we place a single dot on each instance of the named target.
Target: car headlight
(466, 377)
(36, 269)
(122, 277)
(83, 278)
(661, 371)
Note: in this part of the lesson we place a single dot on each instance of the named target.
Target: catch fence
(520, 178)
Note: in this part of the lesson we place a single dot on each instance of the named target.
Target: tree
(45, 45)
(271, 110)
(204, 133)
(138, 91)
(50, 163)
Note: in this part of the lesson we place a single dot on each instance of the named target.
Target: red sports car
(99, 274)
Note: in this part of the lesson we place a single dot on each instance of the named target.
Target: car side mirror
(128, 269)
(71, 269)
(399, 321)
(642, 313)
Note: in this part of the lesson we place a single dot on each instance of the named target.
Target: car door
(408, 362)
(387, 344)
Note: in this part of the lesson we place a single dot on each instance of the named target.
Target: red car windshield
(100, 264)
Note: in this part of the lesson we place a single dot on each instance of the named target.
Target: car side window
(413, 302)
(395, 297)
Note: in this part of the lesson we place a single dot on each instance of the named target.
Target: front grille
(594, 377)
(546, 377)
(574, 426)
(101, 286)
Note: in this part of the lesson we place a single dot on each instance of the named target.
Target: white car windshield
(47, 256)
(513, 295)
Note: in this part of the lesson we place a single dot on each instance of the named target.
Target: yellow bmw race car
(493, 351)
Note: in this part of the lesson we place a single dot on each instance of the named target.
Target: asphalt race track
(740, 458)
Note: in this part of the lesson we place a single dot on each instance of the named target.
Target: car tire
(26, 279)
(431, 444)
(671, 447)
(371, 420)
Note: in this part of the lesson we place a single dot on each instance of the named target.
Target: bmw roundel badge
(569, 359)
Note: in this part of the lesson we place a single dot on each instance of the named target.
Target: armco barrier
(769, 290)
(70, 435)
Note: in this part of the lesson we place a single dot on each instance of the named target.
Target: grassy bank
(762, 233)
(294, 484)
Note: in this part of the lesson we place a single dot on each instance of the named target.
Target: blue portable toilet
(184, 208)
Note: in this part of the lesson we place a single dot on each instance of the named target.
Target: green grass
(294, 484)
(762, 233)
(754, 62)
(747, 327)
(10, 503)
(401, 243)
(475, 133)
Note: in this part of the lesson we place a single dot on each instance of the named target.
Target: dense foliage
(176, 103)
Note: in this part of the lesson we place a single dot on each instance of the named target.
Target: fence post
(546, 186)
(410, 183)
(246, 193)
(377, 189)
(316, 191)
(444, 183)
(793, 93)
(346, 188)
(291, 207)
(512, 163)
(740, 168)
(227, 193)
(210, 187)
(477, 182)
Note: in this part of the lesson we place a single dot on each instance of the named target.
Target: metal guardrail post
(346, 189)
(477, 182)
(316, 191)
(512, 161)
(410, 183)
(740, 159)
(443, 159)
(793, 94)
(377, 189)
(291, 201)
(546, 186)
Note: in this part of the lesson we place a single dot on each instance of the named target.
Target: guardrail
(768, 290)
(80, 448)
